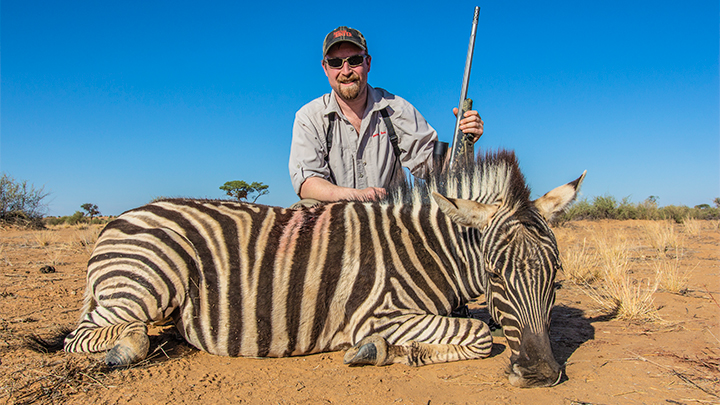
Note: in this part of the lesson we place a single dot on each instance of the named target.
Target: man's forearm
(322, 190)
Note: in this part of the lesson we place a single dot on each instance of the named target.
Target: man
(342, 146)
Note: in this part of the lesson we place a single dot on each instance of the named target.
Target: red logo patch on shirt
(381, 133)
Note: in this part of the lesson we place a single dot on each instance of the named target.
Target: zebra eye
(495, 277)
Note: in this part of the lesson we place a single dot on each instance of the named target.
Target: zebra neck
(456, 249)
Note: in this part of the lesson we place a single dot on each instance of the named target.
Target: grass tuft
(670, 275)
(692, 226)
(45, 238)
(662, 236)
(579, 266)
(86, 237)
(618, 293)
(4, 260)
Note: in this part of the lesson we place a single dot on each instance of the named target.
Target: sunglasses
(353, 61)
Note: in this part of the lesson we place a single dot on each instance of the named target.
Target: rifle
(462, 147)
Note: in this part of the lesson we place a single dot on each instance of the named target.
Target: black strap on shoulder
(328, 134)
(388, 124)
(391, 132)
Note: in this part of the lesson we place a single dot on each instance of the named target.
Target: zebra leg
(99, 331)
(424, 339)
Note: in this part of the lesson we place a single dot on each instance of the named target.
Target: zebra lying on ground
(378, 279)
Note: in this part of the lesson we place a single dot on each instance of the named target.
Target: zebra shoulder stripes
(378, 279)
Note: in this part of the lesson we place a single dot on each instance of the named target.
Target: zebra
(377, 279)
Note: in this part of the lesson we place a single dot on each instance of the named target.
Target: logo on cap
(341, 34)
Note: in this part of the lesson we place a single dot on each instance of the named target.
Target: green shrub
(75, 218)
(627, 210)
(604, 207)
(607, 207)
(20, 203)
(581, 209)
(674, 212)
(54, 220)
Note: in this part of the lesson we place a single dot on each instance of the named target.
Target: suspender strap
(328, 134)
(391, 132)
(388, 124)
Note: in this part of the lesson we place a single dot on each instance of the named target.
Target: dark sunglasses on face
(353, 61)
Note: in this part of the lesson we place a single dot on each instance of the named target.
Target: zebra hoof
(128, 350)
(373, 350)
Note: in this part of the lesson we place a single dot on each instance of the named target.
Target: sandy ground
(674, 360)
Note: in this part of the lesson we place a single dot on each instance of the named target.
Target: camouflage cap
(344, 34)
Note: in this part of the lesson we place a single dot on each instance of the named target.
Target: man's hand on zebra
(322, 190)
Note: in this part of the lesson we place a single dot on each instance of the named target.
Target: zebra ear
(465, 212)
(558, 199)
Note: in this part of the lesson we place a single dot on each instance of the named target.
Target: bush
(75, 218)
(52, 221)
(607, 207)
(20, 203)
(604, 207)
(581, 209)
(676, 213)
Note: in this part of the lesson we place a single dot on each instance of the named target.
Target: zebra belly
(231, 340)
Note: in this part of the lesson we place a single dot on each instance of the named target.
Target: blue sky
(116, 103)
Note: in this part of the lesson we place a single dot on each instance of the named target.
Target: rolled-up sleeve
(307, 152)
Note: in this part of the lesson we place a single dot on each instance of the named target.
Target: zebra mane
(493, 176)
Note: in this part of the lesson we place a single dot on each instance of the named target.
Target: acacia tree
(91, 209)
(240, 190)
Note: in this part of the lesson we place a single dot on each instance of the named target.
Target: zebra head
(517, 266)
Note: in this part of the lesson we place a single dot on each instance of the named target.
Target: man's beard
(349, 92)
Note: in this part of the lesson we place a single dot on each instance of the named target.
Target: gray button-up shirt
(365, 159)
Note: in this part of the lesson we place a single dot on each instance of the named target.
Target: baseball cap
(344, 34)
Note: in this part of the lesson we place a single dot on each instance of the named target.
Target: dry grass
(52, 381)
(614, 256)
(671, 275)
(616, 291)
(692, 226)
(4, 260)
(45, 238)
(85, 237)
(579, 265)
(607, 269)
(55, 257)
(626, 298)
(661, 236)
(55, 250)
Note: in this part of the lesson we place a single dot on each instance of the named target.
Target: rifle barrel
(458, 136)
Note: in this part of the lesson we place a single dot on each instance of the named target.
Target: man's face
(349, 83)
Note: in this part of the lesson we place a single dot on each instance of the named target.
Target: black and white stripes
(251, 280)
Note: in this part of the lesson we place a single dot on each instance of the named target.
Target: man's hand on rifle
(471, 125)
